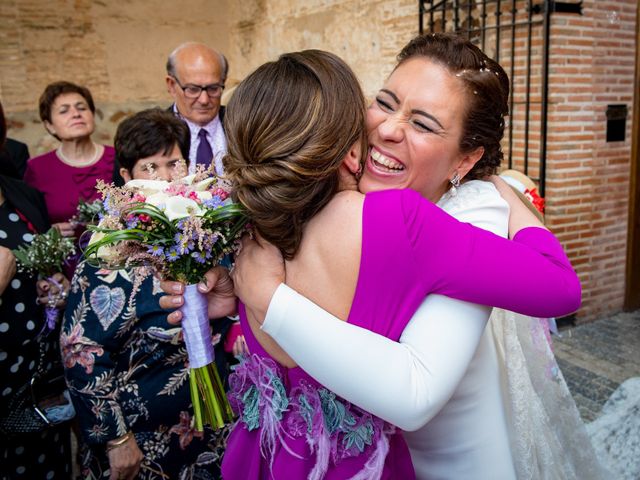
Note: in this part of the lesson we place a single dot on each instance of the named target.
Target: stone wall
(367, 34)
(118, 50)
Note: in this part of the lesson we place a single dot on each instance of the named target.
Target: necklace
(75, 163)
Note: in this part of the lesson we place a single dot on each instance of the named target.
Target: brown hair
(150, 132)
(487, 87)
(289, 126)
(54, 90)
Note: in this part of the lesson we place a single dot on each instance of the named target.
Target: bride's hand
(520, 215)
(257, 273)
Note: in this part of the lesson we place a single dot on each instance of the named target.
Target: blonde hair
(289, 126)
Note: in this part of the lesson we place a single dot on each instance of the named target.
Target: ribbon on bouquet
(51, 312)
(196, 328)
(210, 404)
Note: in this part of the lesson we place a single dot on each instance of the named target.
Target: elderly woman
(126, 367)
(69, 173)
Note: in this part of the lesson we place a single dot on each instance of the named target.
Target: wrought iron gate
(516, 34)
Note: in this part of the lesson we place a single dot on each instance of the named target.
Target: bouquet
(43, 257)
(178, 229)
(88, 213)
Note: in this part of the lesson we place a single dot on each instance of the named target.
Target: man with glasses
(195, 79)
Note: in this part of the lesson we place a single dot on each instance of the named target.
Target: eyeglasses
(193, 91)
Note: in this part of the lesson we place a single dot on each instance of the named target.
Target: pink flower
(144, 218)
(139, 197)
(79, 349)
(220, 192)
(176, 189)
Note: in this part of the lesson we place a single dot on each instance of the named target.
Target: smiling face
(414, 128)
(158, 167)
(71, 117)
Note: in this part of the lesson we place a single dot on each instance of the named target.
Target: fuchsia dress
(63, 185)
(291, 427)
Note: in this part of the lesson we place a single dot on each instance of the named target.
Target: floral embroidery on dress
(185, 430)
(79, 349)
(107, 303)
(333, 428)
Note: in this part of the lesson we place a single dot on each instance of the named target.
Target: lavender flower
(156, 250)
(213, 203)
(172, 255)
(199, 257)
(132, 222)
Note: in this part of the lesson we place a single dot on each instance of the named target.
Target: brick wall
(591, 66)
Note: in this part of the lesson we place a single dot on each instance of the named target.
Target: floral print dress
(127, 370)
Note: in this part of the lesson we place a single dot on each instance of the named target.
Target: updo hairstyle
(487, 93)
(289, 126)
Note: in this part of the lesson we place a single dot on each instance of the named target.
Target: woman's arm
(404, 383)
(529, 275)
(88, 345)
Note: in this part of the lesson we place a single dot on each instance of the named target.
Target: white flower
(147, 187)
(180, 207)
(188, 180)
(204, 184)
(202, 196)
(106, 253)
(157, 199)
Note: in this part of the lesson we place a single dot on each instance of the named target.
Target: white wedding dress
(482, 403)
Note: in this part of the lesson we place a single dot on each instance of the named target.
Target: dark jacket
(14, 156)
(27, 200)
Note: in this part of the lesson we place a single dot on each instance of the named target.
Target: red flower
(220, 192)
(535, 199)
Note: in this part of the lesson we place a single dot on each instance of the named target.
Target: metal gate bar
(477, 20)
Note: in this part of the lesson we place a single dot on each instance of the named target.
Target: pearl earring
(455, 183)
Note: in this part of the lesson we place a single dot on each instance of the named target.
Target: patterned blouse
(127, 370)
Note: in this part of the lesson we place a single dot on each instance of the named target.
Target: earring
(455, 183)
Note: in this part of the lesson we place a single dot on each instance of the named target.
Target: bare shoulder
(336, 230)
(326, 267)
(348, 203)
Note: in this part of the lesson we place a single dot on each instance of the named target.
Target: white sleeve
(405, 383)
